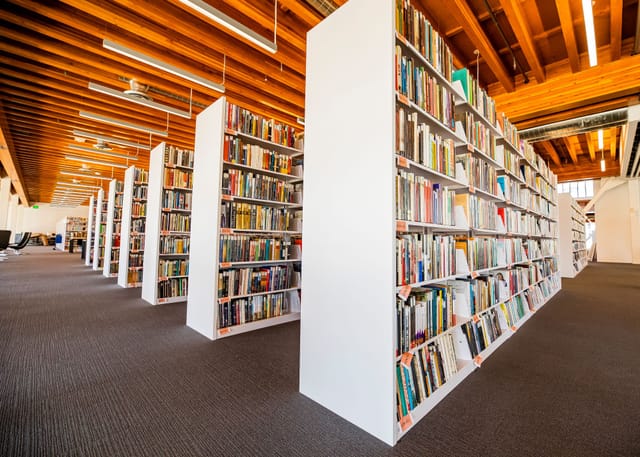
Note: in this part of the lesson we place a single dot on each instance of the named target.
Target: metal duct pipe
(575, 126)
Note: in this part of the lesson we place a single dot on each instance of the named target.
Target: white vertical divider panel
(125, 234)
(90, 224)
(152, 225)
(205, 219)
(5, 196)
(565, 241)
(12, 216)
(347, 355)
(96, 238)
(108, 237)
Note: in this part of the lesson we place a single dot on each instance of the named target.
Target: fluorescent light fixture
(135, 55)
(600, 139)
(300, 120)
(602, 165)
(218, 16)
(129, 125)
(587, 12)
(110, 139)
(84, 175)
(95, 162)
(72, 184)
(140, 101)
(101, 152)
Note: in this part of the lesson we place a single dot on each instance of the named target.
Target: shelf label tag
(406, 422)
(224, 331)
(474, 274)
(476, 319)
(230, 131)
(402, 226)
(514, 328)
(472, 190)
(469, 147)
(226, 231)
(162, 300)
(477, 360)
(403, 99)
(225, 265)
(406, 358)
(404, 292)
(401, 38)
(223, 300)
(227, 198)
(403, 162)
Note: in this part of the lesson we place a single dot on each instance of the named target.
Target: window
(580, 190)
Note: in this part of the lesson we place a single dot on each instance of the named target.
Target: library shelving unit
(245, 262)
(134, 215)
(573, 246)
(430, 228)
(70, 228)
(114, 224)
(168, 225)
(100, 231)
(91, 227)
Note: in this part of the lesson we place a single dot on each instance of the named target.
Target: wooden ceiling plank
(568, 32)
(571, 150)
(615, 29)
(472, 27)
(519, 25)
(613, 142)
(307, 14)
(551, 151)
(590, 145)
(9, 160)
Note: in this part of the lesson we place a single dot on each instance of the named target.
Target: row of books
(424, 372)
(549, 192)
(138, 225)
(170, 244)
(250, 309)
(117, 213)
(548, 247)
(414, 82)
(415, 141)
(240, 152)
(239, 183)
(136, 260)
(510, 161)
(175, 156)
(423, 257)
(254, 217)
(475, 95)
(480, 213)
(515, 309)
(140, 192)
(173, 267)
(252, 124)
(176, 199)
(482, 253)
(134, 276)
(174, 177)
(252, 248)
(478, 134)
(140, 176)
(509, 131)
(139, 209)
(418, 199)
(173, 287)
(418, 31)
(425, 313)
(480, 333)
(246, 281)
(480, 173)
(119, 197)
(175, 222)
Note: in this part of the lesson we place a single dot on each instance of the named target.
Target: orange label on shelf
(406, 422)
(469, 147)
(163, 278)
(472, 190)
(226, 197)
(401, 38)
(230, 131)
(225, 264)
(226, 231)
(403, 99)
(402, 226)
(474, 274)
(406, 358)
(476, 319)
(403, 162)
(162, 300)
(477, 360)
(223, 300)
(224, 331)
(404, 292)
(514, 328)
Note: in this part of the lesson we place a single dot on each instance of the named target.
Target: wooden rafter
(568, 32)
(520, 27)
(9, 160)
(616, 28)
(571, 150)
(551, 151)
(472, 27)
(590, 145)
(613, 142)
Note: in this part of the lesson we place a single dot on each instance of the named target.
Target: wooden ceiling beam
(570, 150)
(307, 14)
(568, 32)
(592, 149)
(615, 28)
(9, 160)
(551, 152)
(520, 26)
(613, 142)
(472, 27)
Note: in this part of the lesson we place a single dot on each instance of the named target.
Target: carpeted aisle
(89, 369)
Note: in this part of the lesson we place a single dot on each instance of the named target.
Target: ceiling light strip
(135, 55)
(95, 162)
(84, 175)
(587, 12)
(101, 152)
(110, 139)
(73, 184)
(140, 101)
(129, 125)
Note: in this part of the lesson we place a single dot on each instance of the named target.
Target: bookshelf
(113, 229)
(573, 246)
(91, 219)
(240, 174)
(418, 265)
(134, 215)
(70, 228)
(168, 225)
(100, 230)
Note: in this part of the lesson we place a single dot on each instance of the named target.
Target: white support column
(12, 217)
(5, 195)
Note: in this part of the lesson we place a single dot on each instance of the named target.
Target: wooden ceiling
(51, 50)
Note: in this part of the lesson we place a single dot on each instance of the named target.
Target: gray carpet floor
(89, 369)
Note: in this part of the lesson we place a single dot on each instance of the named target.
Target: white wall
(44, 218)
(5, 198)
(618, 222)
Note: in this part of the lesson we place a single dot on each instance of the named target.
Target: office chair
(17, 247)
(5, 235)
